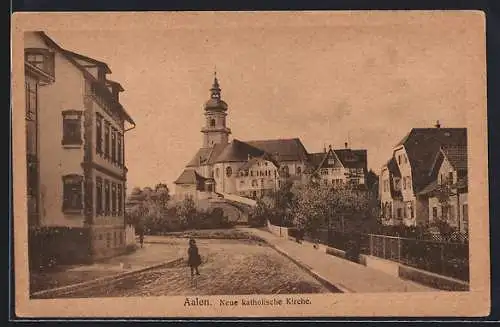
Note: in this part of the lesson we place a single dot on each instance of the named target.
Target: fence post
(371, 244)
(384, 243)
(399, 249)
(442, 259)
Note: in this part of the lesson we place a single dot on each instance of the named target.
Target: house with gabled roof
(391, 198)
(416, 156)
(257, 167)
(78, 177)
(339, 166)
(447, 192)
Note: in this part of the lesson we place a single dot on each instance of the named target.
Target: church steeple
(215, 130)
(215, 90)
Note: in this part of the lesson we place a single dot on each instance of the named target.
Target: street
(230, 266)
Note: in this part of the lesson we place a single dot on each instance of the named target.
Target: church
(253, 169)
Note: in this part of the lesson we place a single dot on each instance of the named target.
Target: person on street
(141, 236)
(194, 259)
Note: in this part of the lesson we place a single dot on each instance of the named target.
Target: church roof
(216, 104)
(238, 151)
(206, 156)
(286, 149)
(190, 176)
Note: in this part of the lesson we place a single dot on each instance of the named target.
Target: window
(98, 187)
(405, 158)
(229, 171)
(72, 127)
(452, 213)
(98, 130)
(254, 183)
(43, 59)
(465, 215)
(405, 212)
(246, 172)
(108, 240)
(299, 170)
(119, 148)
(72, 193)
(217, 172)
(212, 122)
(107, 131)
(107, 198)
(399, 159)
(444, 212)
(113, 199)
(113, 145)
(119, 197)
(450, 177)
(434, 213)
(399, 212)
(410, 209)
(262, 182)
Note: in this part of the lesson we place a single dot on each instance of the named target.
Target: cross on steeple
(215, 90)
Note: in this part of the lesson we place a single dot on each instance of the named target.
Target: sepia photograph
(250, 164)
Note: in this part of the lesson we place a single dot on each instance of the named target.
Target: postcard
(250, 164)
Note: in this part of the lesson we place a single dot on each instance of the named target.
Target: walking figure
(141, 236)
(194, 259)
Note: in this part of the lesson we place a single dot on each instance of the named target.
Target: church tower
(215, 130)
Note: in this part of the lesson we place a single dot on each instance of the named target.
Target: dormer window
(42, 59)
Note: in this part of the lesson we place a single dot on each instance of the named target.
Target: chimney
(346, 145)
(438, 125)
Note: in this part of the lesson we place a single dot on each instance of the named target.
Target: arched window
(212, 122)
(229, 171)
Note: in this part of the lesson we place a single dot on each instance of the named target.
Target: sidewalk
(149, 255)
(344, 274)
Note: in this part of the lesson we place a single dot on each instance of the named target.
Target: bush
(52, 246)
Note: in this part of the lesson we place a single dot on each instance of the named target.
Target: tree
(186, 212)
(319, 206)
(372, 181)
(443, 192)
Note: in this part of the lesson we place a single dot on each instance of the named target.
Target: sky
(326, 79)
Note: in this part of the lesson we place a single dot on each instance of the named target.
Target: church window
(229, 171)
(212, 122)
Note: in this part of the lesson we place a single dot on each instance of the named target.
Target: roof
(286, 149)
(422, 146)
(254, 160)
(393, 167)
(431, 187)
(88, 59)
(238, 151)
(456, 155)
(352, 158)
(189, 176)
(115, 84)
(70, 57)
(216, 104)
(206, 156)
